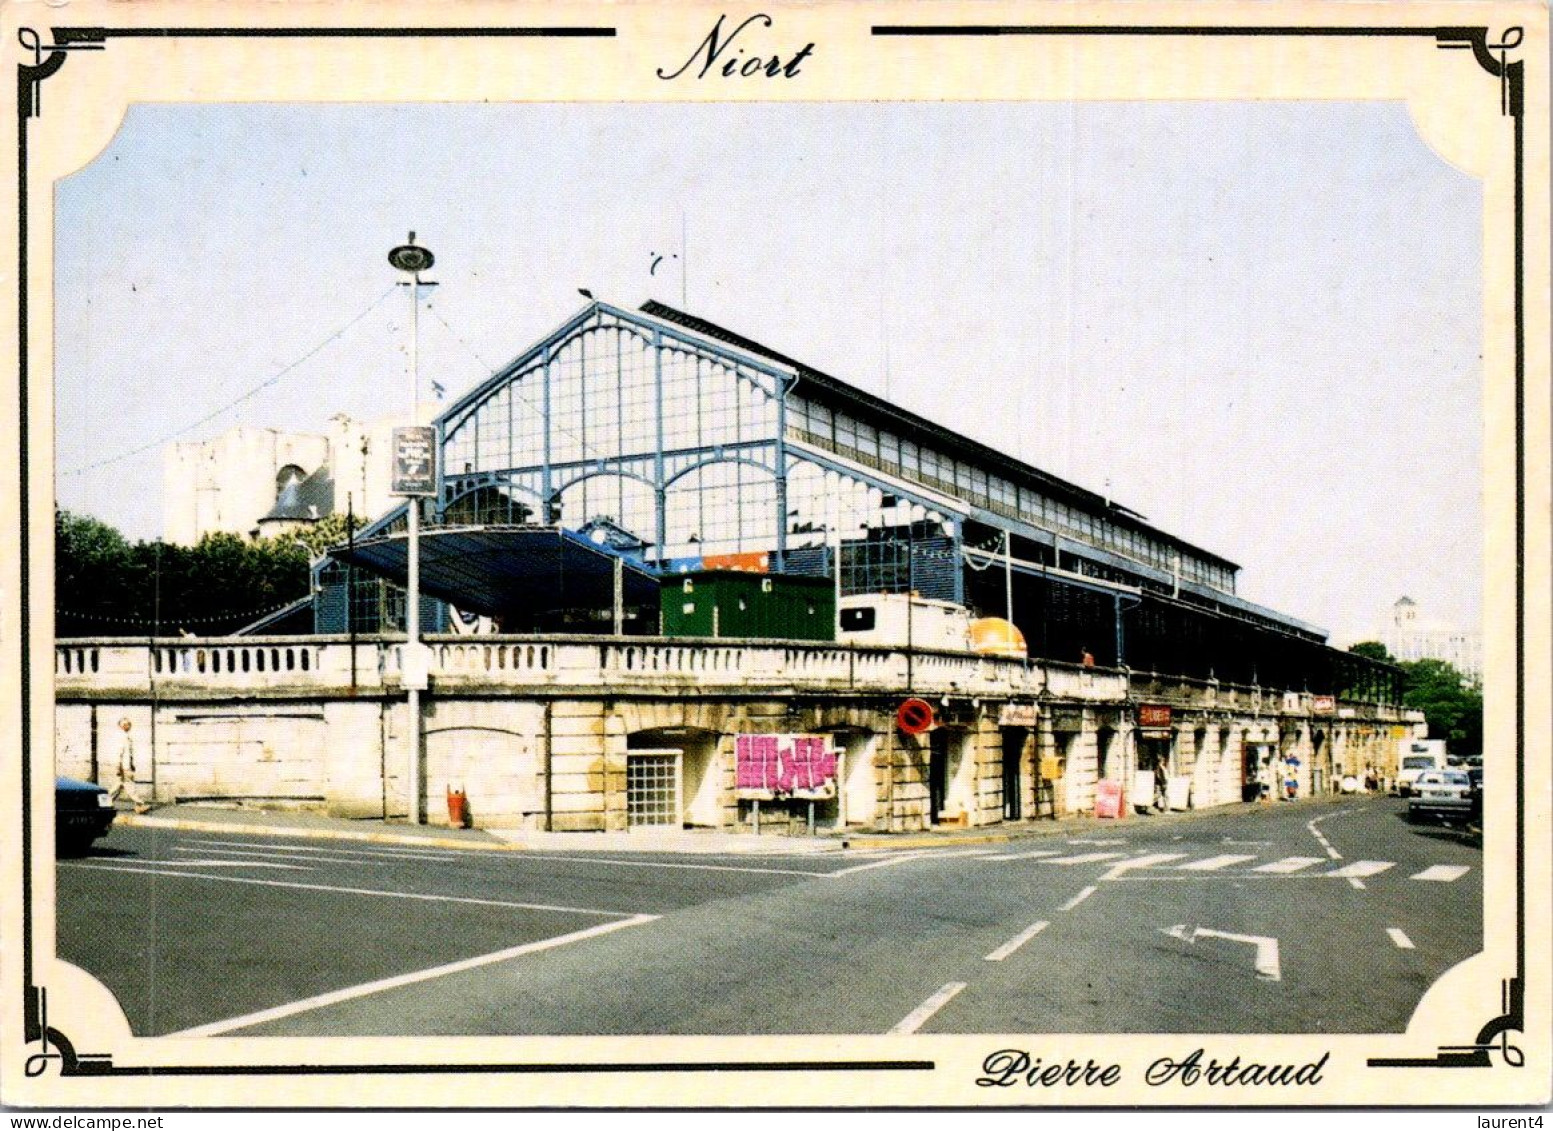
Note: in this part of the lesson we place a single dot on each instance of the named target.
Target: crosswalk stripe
(1289, 864)
(1086, 858)
(1213, 863)
(1361, 868)
(1443, 873)
(1149, 861)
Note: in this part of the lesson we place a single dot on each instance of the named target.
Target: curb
(188, 825)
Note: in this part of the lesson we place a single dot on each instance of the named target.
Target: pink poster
(784, 765)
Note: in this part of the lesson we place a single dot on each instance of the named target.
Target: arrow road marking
(1443, 873)
(1266, 948)
(1017, 941)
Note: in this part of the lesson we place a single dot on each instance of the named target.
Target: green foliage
(1371, 650)
(1452, 704)
(331, 530)
(107, 586)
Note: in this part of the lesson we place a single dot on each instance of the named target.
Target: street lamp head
(411, 258)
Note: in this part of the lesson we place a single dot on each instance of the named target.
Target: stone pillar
(576, 766)
(616, 818)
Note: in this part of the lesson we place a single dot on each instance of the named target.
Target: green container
(748, 606)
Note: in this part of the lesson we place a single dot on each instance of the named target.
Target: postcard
(808, 556)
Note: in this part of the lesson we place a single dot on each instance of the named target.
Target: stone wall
(538, 734)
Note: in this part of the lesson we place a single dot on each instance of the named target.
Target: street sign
(415, 465)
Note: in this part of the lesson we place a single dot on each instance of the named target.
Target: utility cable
(249, 395)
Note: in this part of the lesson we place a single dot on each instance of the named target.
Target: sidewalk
(248, 821)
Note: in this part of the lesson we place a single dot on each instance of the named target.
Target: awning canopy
(506, 571)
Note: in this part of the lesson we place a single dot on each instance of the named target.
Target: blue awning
(499, 571)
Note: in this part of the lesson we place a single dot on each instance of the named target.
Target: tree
(1451, 703)
(107, 586)
(331, 530)
(93, 576)
(1371, 650)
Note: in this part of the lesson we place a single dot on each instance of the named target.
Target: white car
(1440, 793)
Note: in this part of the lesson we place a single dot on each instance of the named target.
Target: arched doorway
(673, 778)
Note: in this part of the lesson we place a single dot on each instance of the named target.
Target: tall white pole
(412, 611)
(413, 484)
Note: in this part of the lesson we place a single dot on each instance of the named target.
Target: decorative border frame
(55, 1047)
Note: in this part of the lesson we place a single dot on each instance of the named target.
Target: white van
(894, 619)
(1415, 757)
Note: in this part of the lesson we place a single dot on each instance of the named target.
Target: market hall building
(661, 560)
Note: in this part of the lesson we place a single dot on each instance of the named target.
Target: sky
(1259, 324)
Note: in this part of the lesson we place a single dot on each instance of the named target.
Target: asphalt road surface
(1316, 917)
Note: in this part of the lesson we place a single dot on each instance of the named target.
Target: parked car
(1422, 759)
(83, 812)
(1443, 794)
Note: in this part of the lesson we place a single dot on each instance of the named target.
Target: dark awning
(498, 570)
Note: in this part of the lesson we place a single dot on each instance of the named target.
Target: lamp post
(415, 478)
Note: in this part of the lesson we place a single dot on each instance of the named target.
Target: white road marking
(1326, 844)
(1266, 962)
(1214, 863)
(1442, 873)
(399, 854)
(687, 867)
(1086, 858)
(1078, 899)
(1402, 941)
(1097, 843)
(1017, 941)
(1149, 861)
(919, 1016)
(903, 858)
(352, 891)
(1289, 864)
(1247, 843)
(337, 996)
(1361, 868)
(232, 864)
(351, 853)
(1029, 855)
(964, 852)
(266, 855)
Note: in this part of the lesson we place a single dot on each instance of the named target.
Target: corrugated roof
(872, 409)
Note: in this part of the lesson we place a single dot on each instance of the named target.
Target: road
(1328, 916)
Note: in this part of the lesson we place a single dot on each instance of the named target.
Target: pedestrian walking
(125, 786)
